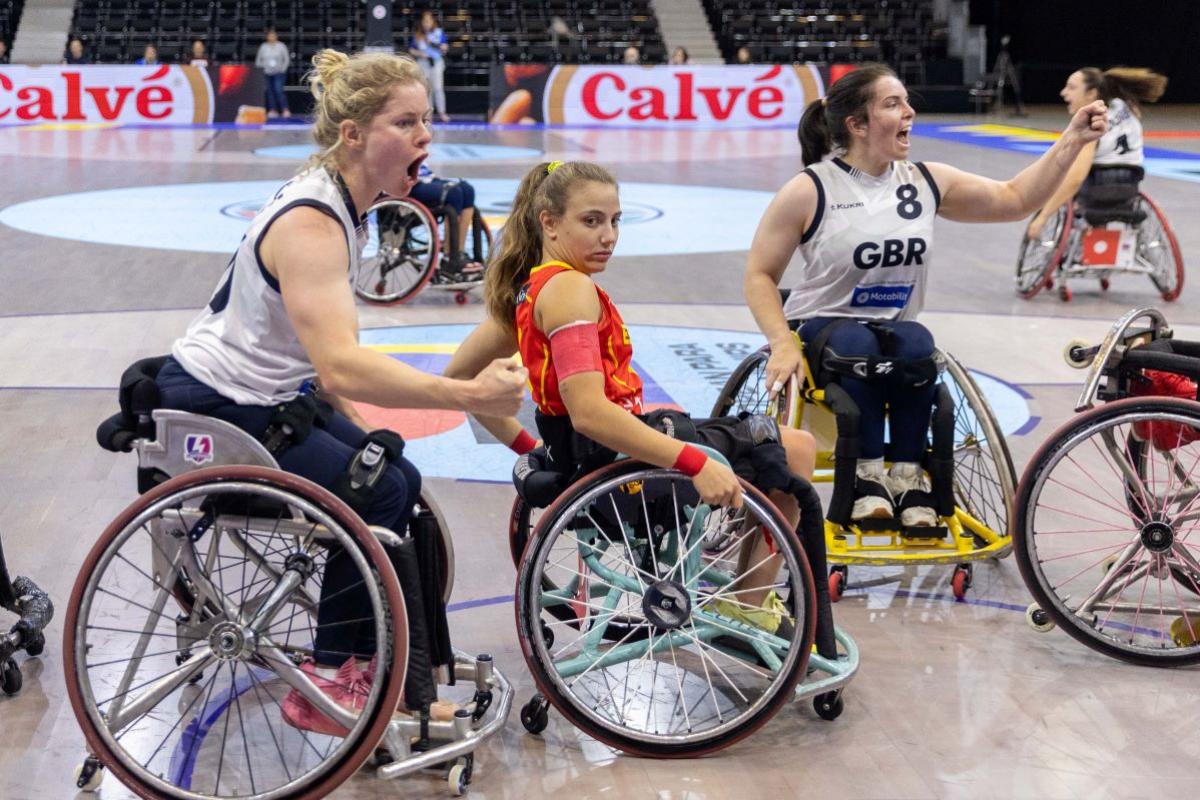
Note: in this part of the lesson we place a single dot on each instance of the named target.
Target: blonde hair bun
(327, 64)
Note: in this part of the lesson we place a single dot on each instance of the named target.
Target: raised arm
(305, 250)
(973, 198)
(779, 233)
(1066, 190)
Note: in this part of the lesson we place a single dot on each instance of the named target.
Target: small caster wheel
(11, 682)
(382, 757)
(535, 715)
(837, 585)
(89, 775)
(829, 706)
(460, 298)
(35, 642)
(961, 581)
(1104, 284)
(547, 636)
(1064, 294)
(458, 779)
(381, 287)
(1076, 355)
(1038, 619)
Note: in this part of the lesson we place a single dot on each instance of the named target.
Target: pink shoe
(348, 688)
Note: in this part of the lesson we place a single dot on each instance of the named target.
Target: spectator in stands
(560, 30)
(632, 55)
(149, 56)
(680, 56)
(743, 55)
(3, 52)
(199, 54)
(273, 59)
(429, 48)
(75, 53)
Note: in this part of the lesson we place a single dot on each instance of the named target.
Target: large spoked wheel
(206, 699)
(401, 254)
(1105, 531)
(1158, 249)
(715, 662)
(746, 390)
(1041, 255)
(984, 478)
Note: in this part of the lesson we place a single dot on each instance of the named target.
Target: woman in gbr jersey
(542, 300)
(283, 316)
(862, 221)
(1123, 90)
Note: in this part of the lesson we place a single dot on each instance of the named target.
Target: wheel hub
(229, 641)
(1157, 537)
(666, 605)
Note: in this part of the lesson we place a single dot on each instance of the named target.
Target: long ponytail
(823, 125)
(546, 187)
(1134, 85)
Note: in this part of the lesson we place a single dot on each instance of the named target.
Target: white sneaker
(874, 499)
(906, 477)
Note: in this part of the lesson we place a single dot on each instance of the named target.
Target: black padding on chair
(537, 485)
(113, 435)
(138, 396)
(1110, 195)
(419, 687)
(1166, 355)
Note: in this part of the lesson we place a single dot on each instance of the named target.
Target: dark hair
(823, 124)
(520, 247)
(1134, 85)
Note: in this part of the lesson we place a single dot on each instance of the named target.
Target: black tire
(12, 679)
(636, 483)
(1076, 475)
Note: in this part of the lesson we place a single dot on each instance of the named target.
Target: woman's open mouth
(902, 136)
(414, 169)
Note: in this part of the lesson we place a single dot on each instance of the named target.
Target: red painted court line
(1171, 134)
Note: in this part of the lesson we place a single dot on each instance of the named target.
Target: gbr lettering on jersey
(866, 253)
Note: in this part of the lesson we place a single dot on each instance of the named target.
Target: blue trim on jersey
(820, 212)
(937, 195)
(324, 208)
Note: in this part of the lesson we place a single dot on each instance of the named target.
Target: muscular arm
(306, 252)
(778, 235)
(571, 297)
(484, 344)
(973, 198)
(1068, 188)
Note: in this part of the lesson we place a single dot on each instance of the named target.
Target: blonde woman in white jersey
(1123, 90)
(283, 318)
(863, 224)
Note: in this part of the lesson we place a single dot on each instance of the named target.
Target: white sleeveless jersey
(243, 344)
(867, 251)
(1122, 142)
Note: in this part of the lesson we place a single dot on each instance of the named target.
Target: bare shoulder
(304, 238)
(569, 296)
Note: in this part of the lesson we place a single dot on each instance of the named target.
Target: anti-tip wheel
(535, 715)
(12, 680)
(460, 298)
(961, 581)
(837, 586)
(89, 775)
(457, 779)
(1038, 619)
(829, 706)
(1076, 355)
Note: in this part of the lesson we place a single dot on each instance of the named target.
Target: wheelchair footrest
(936, 532)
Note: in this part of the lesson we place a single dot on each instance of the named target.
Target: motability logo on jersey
(882, 296)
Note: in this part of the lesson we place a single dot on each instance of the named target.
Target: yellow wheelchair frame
(976, 530)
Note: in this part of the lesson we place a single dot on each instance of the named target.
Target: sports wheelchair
(404, 252)
(968, 461)
(1110, 227)
(198, 606)
(1107, 508)
(23, 598)
(624, 604)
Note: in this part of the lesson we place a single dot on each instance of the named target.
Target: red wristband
(690, 461)
(523, 443)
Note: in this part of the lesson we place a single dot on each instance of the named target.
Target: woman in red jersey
(542, 301)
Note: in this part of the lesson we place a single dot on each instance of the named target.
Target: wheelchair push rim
(746, 390)
(1160, 251)
(141, 716)
(676, 693)
(396, 271)
(1040, 257)
(1106, 535)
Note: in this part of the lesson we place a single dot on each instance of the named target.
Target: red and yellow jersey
(621, 384)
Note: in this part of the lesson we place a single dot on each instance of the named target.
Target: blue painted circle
(438, 152)
(659, 218)
(684, 367)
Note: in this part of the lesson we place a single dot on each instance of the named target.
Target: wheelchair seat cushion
(1098, 217)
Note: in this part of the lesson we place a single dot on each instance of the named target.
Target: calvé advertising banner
(139, 95)
(684, 96)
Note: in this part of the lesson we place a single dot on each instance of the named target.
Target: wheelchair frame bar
(1114, 344)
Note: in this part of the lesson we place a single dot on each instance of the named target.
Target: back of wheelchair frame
(626, 603)
(405, 253)
(34, 610)
(196, 608)
(971, 471)
(1110, 227)
(1106, 512)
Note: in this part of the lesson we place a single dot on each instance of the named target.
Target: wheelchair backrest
(1109, 186)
